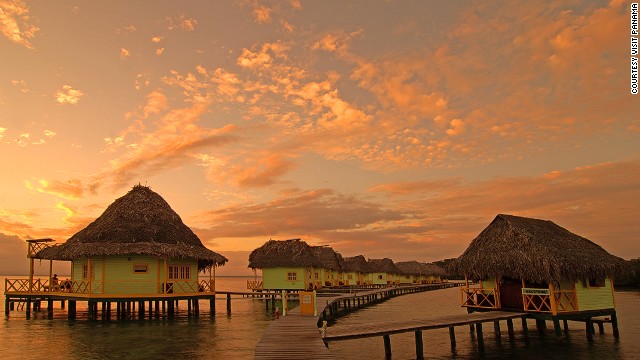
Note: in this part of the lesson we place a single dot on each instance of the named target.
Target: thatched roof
(382, 265)
(534, 250)
(328, 258)
(283, 253)
(139, 223)
(411, 267)
(433, 269)
(355, 264)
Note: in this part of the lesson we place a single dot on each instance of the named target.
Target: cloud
(594, 201)
(71, 189)
(157, 39)
(15, 22)
(262, 14)
(68, 95)
(182, 22)
(2, 131)
(124, 53)
(296, 212)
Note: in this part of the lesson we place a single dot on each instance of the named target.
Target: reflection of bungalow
(139, 245)
(539, 267)
(355, 271)
(432, 274)
(286, 265)
(412, 272)
(382, 271)
(330, 264)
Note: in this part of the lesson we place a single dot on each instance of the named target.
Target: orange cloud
(71, 189)
(15, 23)
(68, 95)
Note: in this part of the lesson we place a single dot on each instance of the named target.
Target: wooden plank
(356, 331)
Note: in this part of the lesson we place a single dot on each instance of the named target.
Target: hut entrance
(511, 294)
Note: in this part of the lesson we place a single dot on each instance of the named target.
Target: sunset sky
(384, 128)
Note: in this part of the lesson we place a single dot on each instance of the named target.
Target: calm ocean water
(234, 336)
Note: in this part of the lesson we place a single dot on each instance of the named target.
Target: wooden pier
(385, 329)
(297, 336)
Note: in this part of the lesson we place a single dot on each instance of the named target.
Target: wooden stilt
(510, 329)
(614, 325)
(452, 337)
(565, 324)
(387, 346)
(479, 336)
(496, 328)
(419, 346)
(589, 329)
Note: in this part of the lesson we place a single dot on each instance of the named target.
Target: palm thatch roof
(433, 269)
(411, 268)
(355, 264)
(385, 265)
(327, 258)
(534, 250)
(138, 223)
(283, 253)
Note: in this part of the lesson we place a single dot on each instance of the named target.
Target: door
(511, 294)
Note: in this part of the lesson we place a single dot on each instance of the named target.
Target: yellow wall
(594, 298)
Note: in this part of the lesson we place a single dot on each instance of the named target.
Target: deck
(357, 331)
(297, 336)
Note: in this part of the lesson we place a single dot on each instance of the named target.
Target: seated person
(54, 282)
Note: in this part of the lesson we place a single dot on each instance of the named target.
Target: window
(596, 282)
(140, 268)
(379, 277)
(179, 272)
(85, 270)
(350, 277)
(292, 276)
(317, 276)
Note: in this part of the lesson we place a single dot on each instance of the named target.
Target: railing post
(419, 346)
(387, 346)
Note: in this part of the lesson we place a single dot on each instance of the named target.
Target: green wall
(276, 278)
(119, 277)
(594, 298)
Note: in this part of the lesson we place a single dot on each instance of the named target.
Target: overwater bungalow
(330, 266)
(285, 265)
(538, 267)
(138, 248)
(355, 271)
(139, 245)
(433, 274)
(412, 272)
(382, 271)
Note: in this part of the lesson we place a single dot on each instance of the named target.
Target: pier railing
(38, 285)
(539, 300)
(479, 298)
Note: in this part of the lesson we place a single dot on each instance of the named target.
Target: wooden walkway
(357, 331)
(297, 336)
(294, 336)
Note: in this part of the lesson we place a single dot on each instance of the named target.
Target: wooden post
(6, 305)
(552, 299)
(556, 326)
(387, 346)
(496, 328)
(525, 328)
(72, 310)
(614, 325)
(565, 324)
(30, 272)
(89, 272)
(452, 337)
(28, 313)
(419, 346)
(589, 329)
(510, 329)
(164, 286)
(229, 304)
(479, 335)
(50, 308)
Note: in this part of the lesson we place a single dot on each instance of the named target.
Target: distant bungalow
(286, 265)
(538, 267)
(139, 245)
(355, 271)
(383, 272)
(433, 274)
